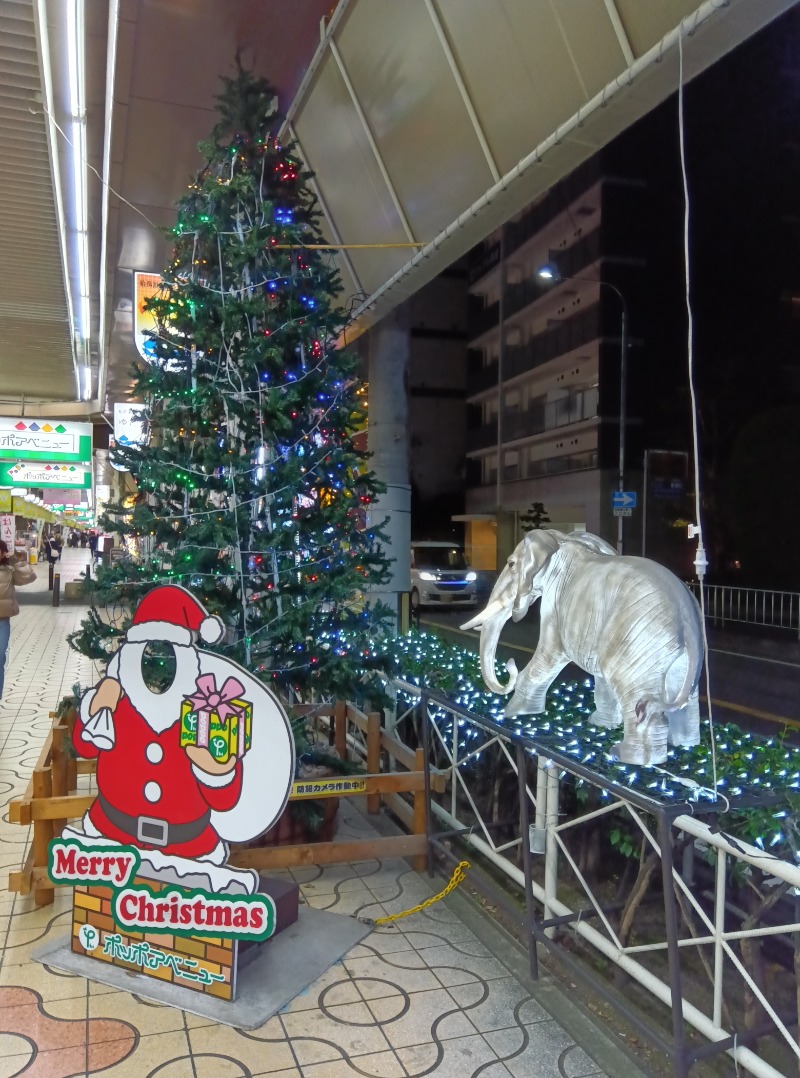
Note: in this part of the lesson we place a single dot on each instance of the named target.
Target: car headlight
(472, 576)
(427, 576)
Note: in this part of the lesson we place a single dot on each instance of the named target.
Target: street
(755, 679)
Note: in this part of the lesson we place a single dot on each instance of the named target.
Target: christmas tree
(251, 492)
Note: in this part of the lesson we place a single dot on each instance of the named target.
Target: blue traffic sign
(623, 499)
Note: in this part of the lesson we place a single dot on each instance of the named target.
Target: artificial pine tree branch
(252, 491)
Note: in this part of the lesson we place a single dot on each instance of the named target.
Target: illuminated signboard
(130, 428)
(145, 287)
(38, 474)
(42, 439)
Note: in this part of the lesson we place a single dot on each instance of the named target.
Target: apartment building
(543, 376)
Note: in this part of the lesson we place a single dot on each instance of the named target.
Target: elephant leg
(646, 731)
(684, 724)
(548, 661)
(606, 707)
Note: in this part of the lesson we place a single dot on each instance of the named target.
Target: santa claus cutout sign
(181, 773)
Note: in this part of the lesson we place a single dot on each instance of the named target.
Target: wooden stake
(373, 757)
(340, 729)
(43, 892)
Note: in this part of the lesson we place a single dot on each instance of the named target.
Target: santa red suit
(179, 805)
(150, 793)
(172, 802)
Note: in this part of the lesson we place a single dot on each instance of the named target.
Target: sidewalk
(435, 994)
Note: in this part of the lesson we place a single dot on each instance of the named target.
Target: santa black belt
(151, 831)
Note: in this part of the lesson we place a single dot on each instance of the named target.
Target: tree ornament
(252, 412)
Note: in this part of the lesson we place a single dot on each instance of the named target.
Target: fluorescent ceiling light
(77, 106)
(86, 383)
(83, 264)
(85, 327)
(75, 38)
(79, 173)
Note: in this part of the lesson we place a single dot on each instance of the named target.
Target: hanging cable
(700, 561)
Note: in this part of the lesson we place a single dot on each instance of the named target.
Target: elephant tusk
(492, 610)
(511, 668)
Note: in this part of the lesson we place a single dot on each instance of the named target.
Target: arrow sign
(623, 499)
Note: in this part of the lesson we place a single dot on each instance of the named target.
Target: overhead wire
(700, 557)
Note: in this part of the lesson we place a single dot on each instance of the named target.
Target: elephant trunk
(491, 622)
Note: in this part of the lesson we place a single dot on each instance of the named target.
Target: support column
(388, 442)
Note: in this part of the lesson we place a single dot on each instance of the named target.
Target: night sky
(743, 158)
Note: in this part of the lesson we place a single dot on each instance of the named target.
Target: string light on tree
(252, 412)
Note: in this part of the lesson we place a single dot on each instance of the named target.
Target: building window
(511, 465)
(489, 469)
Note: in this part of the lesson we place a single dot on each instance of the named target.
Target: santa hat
(171, 613)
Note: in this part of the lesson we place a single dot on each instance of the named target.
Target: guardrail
(750, 606)
(517, 802)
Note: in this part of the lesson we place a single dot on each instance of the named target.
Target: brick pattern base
(193, 954)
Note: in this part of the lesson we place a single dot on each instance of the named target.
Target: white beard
(160, 710)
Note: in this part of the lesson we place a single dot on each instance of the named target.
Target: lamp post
(551, 274)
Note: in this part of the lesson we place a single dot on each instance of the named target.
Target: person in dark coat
(52, 549)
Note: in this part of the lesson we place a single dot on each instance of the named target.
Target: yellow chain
(459, 875)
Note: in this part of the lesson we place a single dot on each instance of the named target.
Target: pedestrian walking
(93, 545)
(13, 574)
(52, 549)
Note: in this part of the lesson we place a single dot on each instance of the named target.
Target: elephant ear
(539, 545)
(593, 542)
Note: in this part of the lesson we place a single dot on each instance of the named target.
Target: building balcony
(572, 260)
(482, 261)
(521, 295)
(574, 462)
(481, 318)
(482, 437)
(481, 378)
(538, 418)
(574, 332)
(552, 205)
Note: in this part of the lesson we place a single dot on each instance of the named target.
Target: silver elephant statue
(629, 622)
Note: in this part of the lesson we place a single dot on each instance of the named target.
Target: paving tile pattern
(418, 997)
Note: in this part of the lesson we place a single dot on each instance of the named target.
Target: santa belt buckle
(152, 832)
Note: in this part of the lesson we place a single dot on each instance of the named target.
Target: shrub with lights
(747, 764)
(252, 493)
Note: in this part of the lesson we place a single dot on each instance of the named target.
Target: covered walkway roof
(427, 123)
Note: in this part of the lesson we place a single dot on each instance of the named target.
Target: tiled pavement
(423, 997)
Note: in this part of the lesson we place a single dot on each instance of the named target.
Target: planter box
(291, 832)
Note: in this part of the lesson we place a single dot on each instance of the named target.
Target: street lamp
(550, 274)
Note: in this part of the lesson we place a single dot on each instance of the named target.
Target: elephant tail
(686, 665)
(692, 654)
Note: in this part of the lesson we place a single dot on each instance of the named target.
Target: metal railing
(750, 606)
(503, 785)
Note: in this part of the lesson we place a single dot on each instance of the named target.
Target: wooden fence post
(340, 728)
(58, 772)
(373, 757)
(43, 892)
(420, 814)
(72, 760)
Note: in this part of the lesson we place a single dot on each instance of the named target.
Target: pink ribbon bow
(208, 698)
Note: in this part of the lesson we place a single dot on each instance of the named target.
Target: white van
(440, 576)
